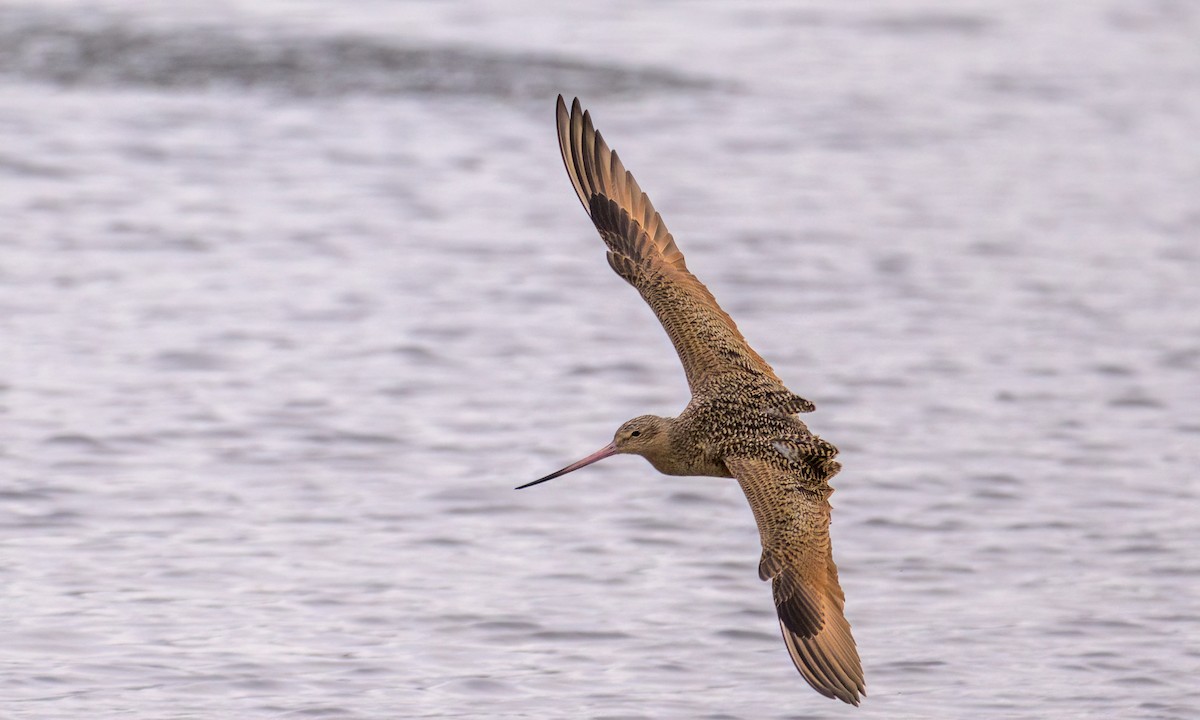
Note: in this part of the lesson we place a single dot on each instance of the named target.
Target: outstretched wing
(642, 251)
(793, 524)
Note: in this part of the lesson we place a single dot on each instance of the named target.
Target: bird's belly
(695, 464)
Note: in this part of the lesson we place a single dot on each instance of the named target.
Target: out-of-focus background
(292, 294)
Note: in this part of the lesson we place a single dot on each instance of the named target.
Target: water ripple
(114, 51)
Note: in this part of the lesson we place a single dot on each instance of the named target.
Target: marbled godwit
(740, 423)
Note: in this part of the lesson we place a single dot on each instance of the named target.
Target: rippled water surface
(292, 294)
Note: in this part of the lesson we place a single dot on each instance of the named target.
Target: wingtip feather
(834, 676)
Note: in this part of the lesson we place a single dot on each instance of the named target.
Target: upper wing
(642, 251)
(793, 524)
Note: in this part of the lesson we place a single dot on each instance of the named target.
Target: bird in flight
(741, 422)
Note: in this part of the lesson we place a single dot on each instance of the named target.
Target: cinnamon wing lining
(642, 251)
(797, 557)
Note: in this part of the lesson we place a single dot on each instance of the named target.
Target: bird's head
(641, 435)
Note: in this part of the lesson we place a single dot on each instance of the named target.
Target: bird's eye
(635, 433)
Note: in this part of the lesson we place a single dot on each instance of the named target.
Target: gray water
(293, 294)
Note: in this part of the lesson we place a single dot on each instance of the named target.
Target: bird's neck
(678, 454)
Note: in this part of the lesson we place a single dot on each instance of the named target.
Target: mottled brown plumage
(740, 423)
